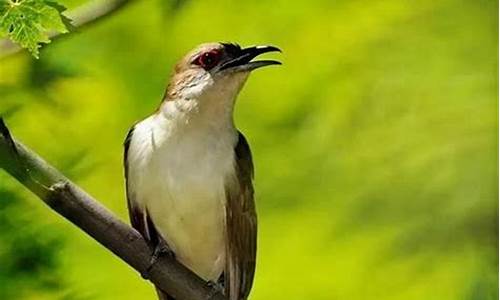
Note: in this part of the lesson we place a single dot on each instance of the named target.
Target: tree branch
(81, 16)
(81, 209)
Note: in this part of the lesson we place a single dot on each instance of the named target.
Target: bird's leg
(161, 248)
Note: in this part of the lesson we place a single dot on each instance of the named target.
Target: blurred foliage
(28, 252)
(375, 144)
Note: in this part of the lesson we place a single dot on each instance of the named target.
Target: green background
(375, 145)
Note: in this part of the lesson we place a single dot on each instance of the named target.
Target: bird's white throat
(205, 100)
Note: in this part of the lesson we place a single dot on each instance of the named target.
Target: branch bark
(81, 16)
(81, 209)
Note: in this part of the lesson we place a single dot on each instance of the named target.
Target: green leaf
(29, 22)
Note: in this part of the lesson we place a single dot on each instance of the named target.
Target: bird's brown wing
(241, 226)
(138, 216)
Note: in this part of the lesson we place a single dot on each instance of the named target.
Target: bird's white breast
(177, 174)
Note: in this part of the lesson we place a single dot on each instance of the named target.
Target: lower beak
(243, 61)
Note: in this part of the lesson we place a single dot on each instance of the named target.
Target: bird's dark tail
(162, 295)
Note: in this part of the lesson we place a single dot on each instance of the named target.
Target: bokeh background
(375, 145)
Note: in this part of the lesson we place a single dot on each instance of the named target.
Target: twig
(84, 15)
(81, 209)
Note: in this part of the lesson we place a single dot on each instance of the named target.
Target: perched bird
(189, 170)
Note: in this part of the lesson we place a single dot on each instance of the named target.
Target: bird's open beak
(242, 62)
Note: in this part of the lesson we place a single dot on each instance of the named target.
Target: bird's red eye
(209, 59)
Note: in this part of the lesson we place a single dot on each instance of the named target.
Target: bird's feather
(241, 226)
(240, 221)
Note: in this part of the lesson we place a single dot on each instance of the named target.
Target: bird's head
(215, 70)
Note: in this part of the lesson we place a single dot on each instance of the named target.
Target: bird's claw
(160, 249)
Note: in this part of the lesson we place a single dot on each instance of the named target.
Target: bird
(189, 170)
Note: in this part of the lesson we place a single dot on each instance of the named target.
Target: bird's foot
(216, 287)
(160, 249)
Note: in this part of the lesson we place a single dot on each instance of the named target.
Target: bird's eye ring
(208, 59)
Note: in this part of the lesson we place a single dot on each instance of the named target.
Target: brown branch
(81, 209)
(81, 16)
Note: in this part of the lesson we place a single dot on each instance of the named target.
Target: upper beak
(242, 62)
